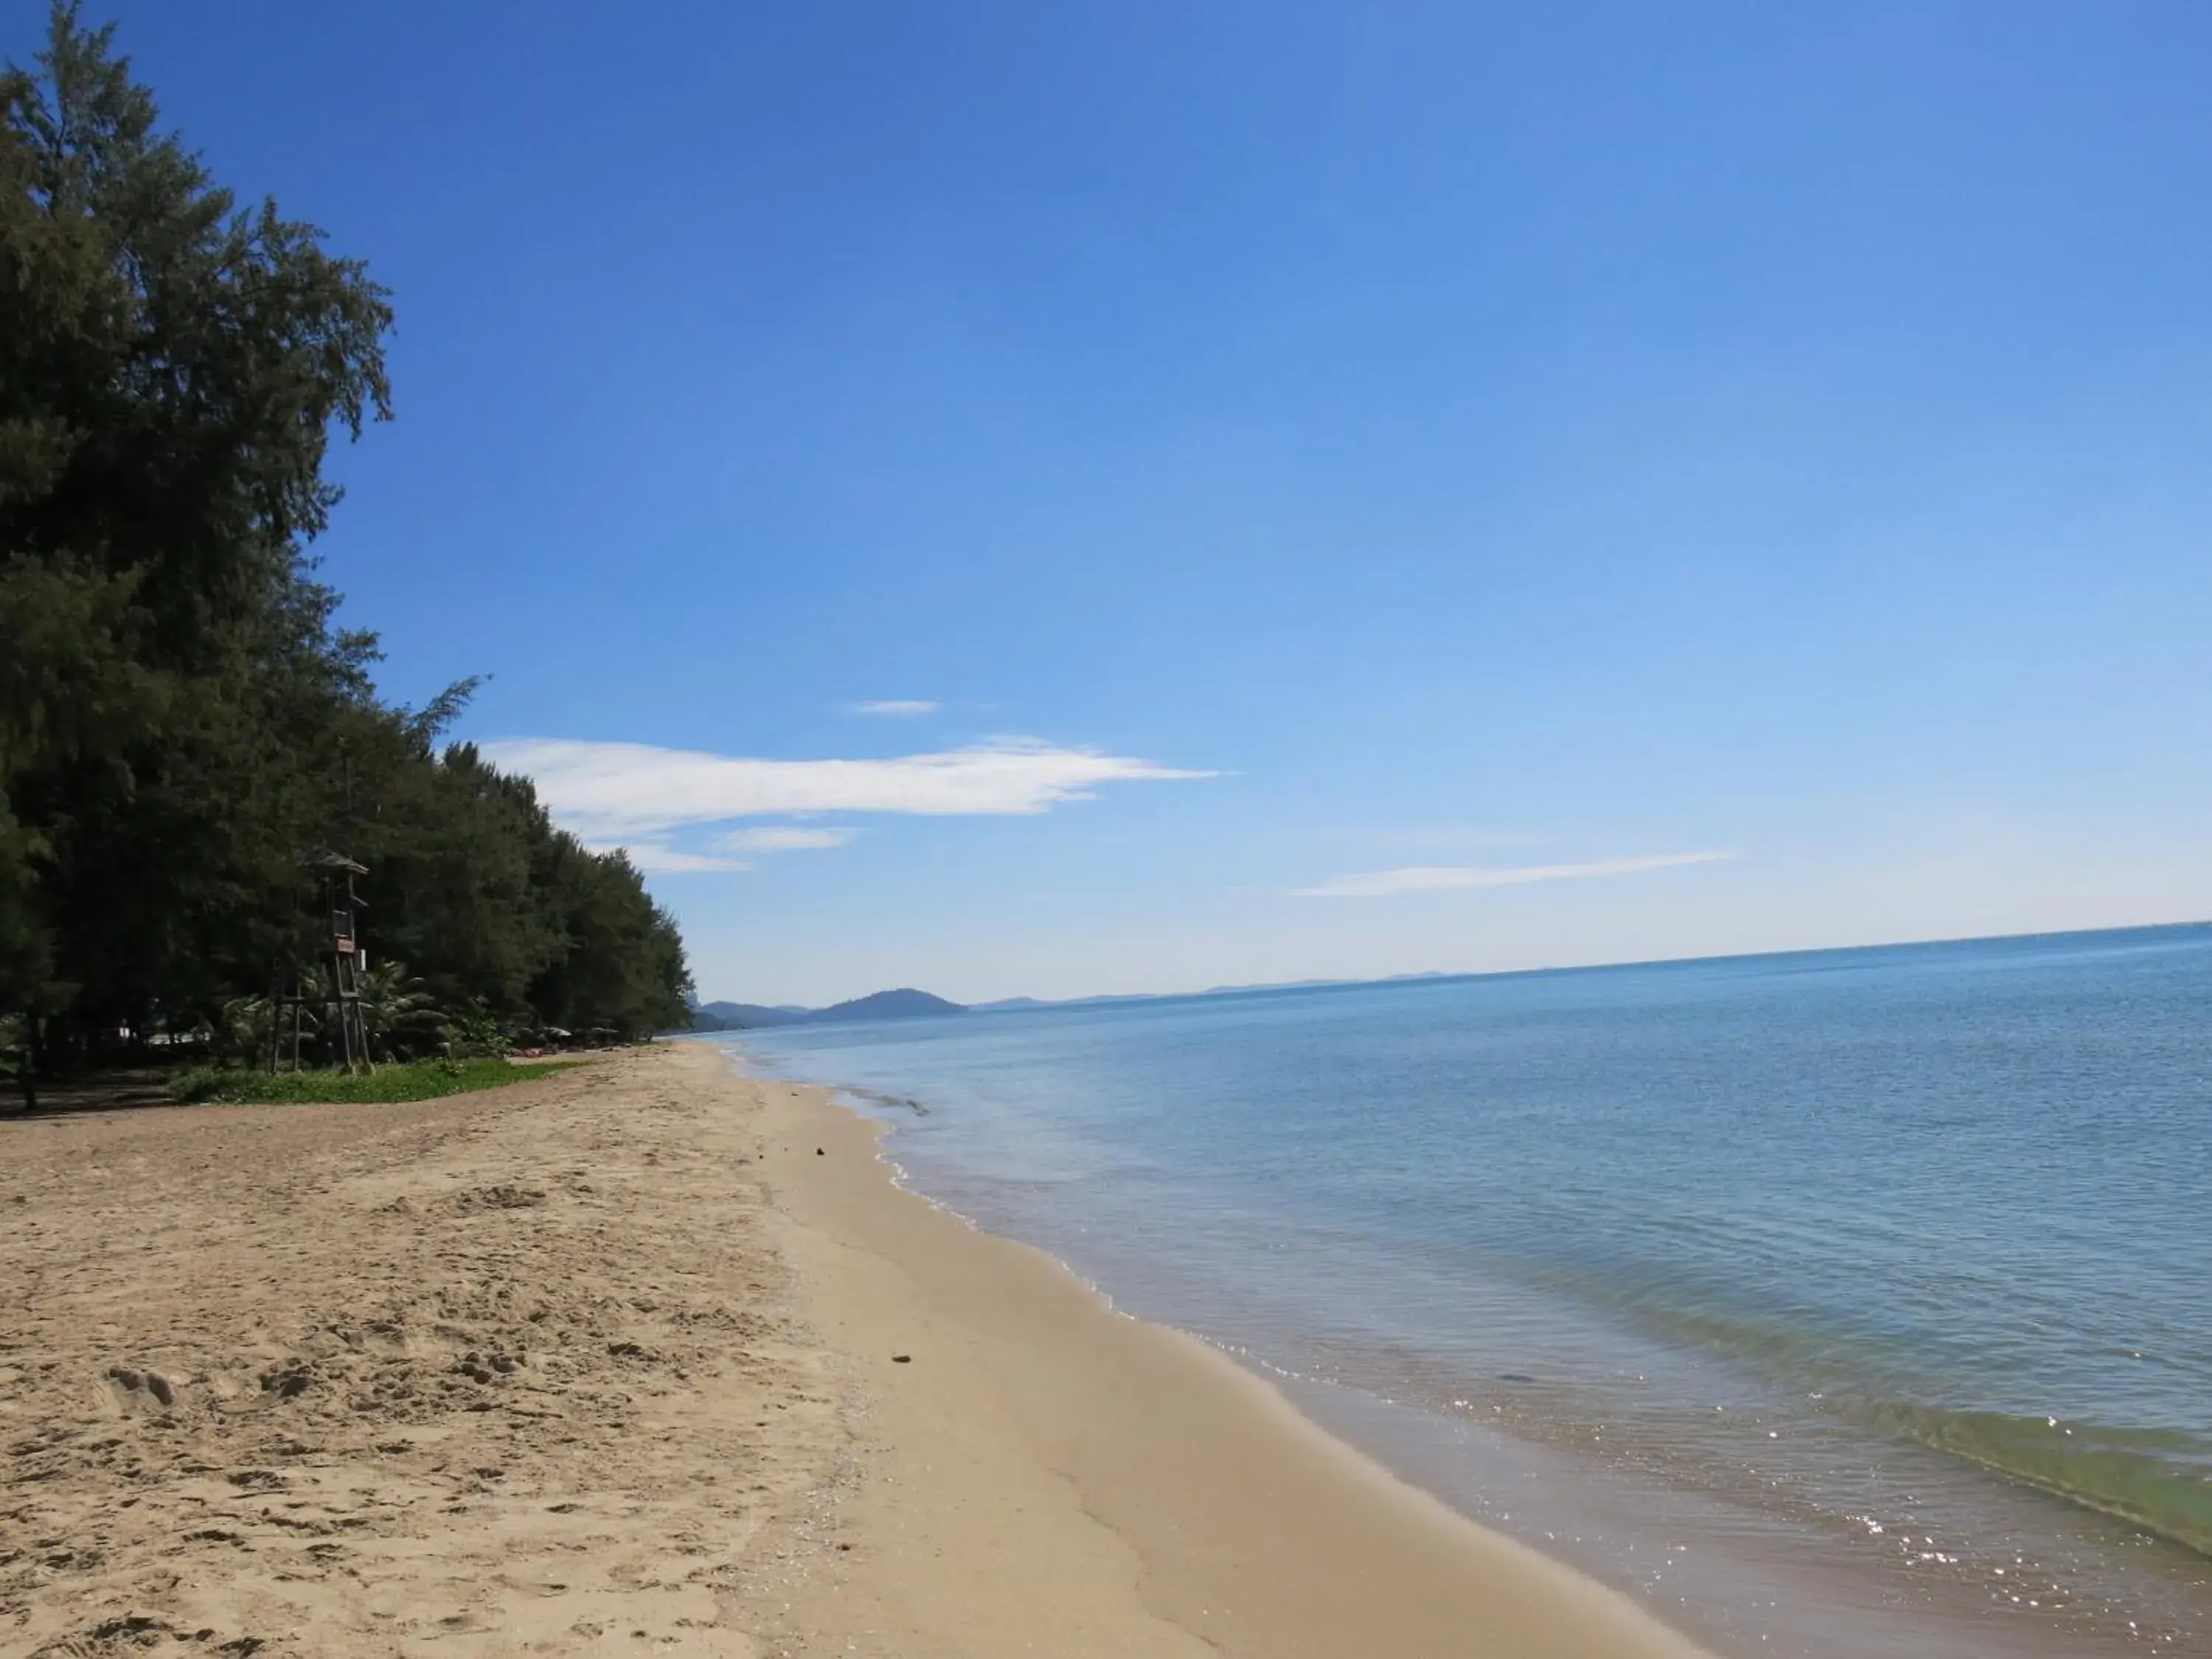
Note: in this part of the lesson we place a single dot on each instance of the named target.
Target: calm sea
(1842, 1303)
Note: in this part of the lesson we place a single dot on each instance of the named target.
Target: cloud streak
(782, 838)
(623, 791)
(656, 858)
(1453, 879)
(897, 707)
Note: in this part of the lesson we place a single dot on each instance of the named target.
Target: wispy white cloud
(631, 792)
(1449, 877)
(658, 859)
(782, 838)
(897, 707)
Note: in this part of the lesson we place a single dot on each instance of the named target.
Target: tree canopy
(181, 717)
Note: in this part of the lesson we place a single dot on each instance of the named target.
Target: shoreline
(1191, 1489)
(1625, 1277)
(608, 1363)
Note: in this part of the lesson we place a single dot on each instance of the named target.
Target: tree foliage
(180, 718)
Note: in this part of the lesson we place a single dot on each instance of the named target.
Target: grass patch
(419, 1079)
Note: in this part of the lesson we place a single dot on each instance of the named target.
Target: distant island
(905, 1003)
(909, 1003)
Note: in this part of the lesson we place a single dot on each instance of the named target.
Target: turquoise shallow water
(1848, 1301)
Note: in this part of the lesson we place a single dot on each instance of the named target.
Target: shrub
(420, 1079)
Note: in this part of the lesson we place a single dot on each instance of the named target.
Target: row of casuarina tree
(181, 717)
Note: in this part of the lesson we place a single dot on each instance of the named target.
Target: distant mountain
(741, 1016)
(1114, 998)
(906, 1003)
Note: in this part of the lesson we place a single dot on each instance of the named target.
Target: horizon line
(1427, 976)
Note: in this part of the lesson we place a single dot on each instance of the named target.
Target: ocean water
(1840, 1304)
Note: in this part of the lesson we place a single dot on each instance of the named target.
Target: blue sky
(1673, 479)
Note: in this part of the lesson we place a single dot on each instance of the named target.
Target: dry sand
(609, 1364)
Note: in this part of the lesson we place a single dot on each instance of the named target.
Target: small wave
(904, 1102)
(2160, 1481)
(2156, 1479)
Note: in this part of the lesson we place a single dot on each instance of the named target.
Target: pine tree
(179, 717)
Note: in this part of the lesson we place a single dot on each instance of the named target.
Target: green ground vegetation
(420, 1079)
(182, 718)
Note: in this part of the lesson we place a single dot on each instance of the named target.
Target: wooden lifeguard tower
(341, 960)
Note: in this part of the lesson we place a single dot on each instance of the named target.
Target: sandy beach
(643, 1358)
